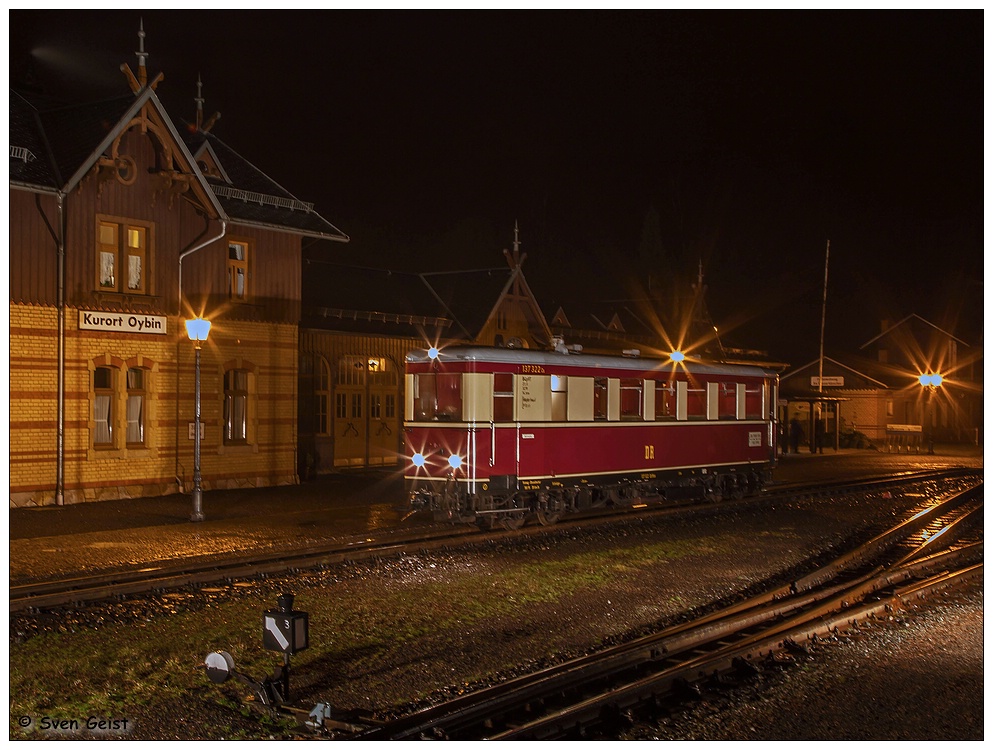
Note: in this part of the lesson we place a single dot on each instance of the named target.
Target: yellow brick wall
(164, 465)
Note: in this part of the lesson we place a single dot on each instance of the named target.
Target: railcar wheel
(512, 521)
(485, 522)
(547, 517)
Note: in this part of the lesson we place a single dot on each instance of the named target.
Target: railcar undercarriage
(512, 508)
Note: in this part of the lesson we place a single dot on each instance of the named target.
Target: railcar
(500, 436)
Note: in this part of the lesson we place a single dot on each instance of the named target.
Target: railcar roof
(498, 355)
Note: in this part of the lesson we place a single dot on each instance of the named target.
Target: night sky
(754, 138)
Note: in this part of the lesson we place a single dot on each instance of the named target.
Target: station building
(123, 225)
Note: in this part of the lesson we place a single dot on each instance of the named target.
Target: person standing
(796, 432)
(818, 446)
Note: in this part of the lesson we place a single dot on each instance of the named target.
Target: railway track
(935, 549)
(122, 583)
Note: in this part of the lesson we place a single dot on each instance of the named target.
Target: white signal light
(433, 352)
(417, 459)
(454, 461)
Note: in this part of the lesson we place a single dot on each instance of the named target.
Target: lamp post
(930, 381)
(197, 330)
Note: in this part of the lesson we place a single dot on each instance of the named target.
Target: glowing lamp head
(433, 352)
(930, 380)
(454, 461)
(198, 329)
(417, 459)
(677, 356)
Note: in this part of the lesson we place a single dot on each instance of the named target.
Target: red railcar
(501, 435)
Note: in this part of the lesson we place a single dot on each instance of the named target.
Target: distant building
(879, 395)
(123, 225)
(358, 325)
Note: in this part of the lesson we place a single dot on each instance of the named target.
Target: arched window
(236, 407)
(136, 406)
(103, 407)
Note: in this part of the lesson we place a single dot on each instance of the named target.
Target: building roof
(371, 301)
(249, 196)
(54, 145)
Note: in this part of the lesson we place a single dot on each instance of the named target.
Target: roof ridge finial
(515, 259)
(142, 72)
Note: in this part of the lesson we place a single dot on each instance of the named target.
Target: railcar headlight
(454, 461)
(417, 459)
(433, 352)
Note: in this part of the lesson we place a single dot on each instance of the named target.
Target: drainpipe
(201, 246)
(59, 237)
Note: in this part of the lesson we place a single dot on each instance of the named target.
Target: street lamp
(931, 381)
(198, 330)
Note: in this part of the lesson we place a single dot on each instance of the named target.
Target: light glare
(454, 461)
(677, 356)
(433, 352)
(417, 459)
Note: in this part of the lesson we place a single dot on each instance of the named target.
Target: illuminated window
(122, 256)
(236, 407)
(238, 270)
(136, 407)
(103, 407)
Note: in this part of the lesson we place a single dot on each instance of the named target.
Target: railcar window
(665, 400)
(696, 403)
(438, 396)
(754, 398)
(559, 385)
(599, 398)
(631, 399)
(727, 401)
(503, 397)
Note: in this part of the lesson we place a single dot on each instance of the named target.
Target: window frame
(322, 398)
(108, 392)
(234, 265)
(122, 252)
(141, 392)
(232, 396)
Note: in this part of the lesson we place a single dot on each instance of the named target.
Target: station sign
(833, 381)
(90, 320)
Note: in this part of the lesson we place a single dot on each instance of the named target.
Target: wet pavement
(62, 542)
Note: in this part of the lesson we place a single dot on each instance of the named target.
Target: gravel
(933, 657)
